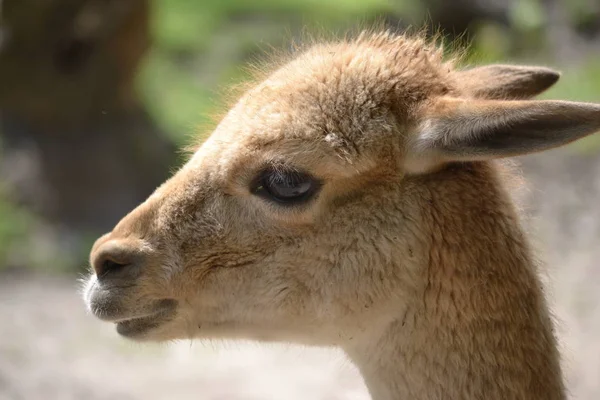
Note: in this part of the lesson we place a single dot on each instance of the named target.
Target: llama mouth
(137, 326)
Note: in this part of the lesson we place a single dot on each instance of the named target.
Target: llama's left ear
(464, 130)
(514, 82)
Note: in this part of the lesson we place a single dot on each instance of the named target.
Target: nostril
(109, 265)
(117, 258)
(114, 257)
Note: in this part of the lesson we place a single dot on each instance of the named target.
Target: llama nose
(116, 258)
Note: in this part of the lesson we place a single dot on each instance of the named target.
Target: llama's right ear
(506, 81)
(469, 130)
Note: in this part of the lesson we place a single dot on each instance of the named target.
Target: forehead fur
(349, 80)
(375, 65)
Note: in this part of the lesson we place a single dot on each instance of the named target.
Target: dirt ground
(51, 349)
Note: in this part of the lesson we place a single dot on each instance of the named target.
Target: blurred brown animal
(353, 198)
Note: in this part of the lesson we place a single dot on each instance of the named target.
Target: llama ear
(507, 81)
(465, 130)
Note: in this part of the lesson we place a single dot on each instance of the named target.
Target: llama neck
(478, 327)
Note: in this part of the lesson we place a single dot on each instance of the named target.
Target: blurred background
(96, 98)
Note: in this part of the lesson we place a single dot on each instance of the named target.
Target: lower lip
(138, 326)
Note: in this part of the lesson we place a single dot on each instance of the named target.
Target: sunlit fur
(420, 272)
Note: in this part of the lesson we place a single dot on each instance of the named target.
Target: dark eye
(288, 187)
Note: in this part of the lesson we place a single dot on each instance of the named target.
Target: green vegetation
(15, 223)
(26, 241)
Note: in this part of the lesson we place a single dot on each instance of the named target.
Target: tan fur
(424, 278)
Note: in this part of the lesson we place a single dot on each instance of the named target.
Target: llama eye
(288, 187)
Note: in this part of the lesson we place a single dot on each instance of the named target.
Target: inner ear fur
(464, 129)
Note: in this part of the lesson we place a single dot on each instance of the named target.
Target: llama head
(301, 217)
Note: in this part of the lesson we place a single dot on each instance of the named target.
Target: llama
(356, 197)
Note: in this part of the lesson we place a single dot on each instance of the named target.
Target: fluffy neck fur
(480, 327)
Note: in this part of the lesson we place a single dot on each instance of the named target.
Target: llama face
(301, 217)
(281, 224)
